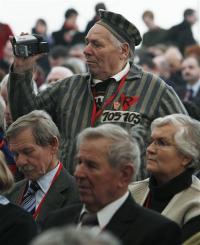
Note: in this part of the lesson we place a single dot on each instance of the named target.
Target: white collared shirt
(195, 88)
(122, 73)
(45, 182)
(105, 215)
(117, 76)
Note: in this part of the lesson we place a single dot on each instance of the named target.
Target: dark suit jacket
(62, 193)
(132, 224)
(181, 91)
(16, 225)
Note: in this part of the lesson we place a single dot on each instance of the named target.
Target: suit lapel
(55, 197)
(122, 219)
(196, 99)
(18, 192)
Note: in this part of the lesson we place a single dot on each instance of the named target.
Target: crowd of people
(98, 133)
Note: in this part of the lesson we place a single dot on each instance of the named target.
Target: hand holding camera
(27, 49)
(28, 45)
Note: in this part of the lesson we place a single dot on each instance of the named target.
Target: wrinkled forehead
(190, 62)
(98, 31)
(23, 135)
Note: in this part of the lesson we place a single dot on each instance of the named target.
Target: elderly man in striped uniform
(114, 90)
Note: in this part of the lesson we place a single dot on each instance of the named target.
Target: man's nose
(151, 148)
(87, 50)
(79, 171)
(20, 160)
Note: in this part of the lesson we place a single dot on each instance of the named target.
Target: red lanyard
(95, 113)
(147, 201)
(43, 199)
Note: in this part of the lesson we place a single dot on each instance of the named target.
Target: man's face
(192, 19)
(32, 159)
(98, 182)
(190, 70)
(103, 55)
(149, 22)
(72, 21)
(164, 161)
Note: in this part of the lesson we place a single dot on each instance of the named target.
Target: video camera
(28, 45)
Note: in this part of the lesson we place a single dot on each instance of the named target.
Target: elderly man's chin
(92, 68)
(32, 175)
(86, 199)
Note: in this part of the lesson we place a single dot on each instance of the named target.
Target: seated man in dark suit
(34, 141)
(191, 75)
(107, 160)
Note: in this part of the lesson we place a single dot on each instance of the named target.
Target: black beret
(120, 27)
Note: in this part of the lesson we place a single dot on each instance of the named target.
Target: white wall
(22, 14)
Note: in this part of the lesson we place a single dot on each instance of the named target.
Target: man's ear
(54, 144)
(127, 172)
(125, 50)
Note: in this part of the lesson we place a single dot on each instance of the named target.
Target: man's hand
(21, 64)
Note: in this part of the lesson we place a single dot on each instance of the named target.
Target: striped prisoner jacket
(143, 98)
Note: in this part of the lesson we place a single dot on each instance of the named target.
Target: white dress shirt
(44, 182)
(105, 215)
(117, 76)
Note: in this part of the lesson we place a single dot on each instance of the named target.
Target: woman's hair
(6, 177)
(187, 136)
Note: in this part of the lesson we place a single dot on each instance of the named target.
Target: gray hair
(73, 236)
(6, 177)
(187, 137)
(41, 124)
(123, 149)
(118, 43)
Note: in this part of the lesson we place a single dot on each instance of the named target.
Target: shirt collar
(117, 77)
(104, 215)
(45, 181)
(122, 73)
(195, 88)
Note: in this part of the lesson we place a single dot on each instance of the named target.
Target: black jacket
(16, 225)
(132, 224)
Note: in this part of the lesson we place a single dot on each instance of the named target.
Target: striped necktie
(29, 200)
